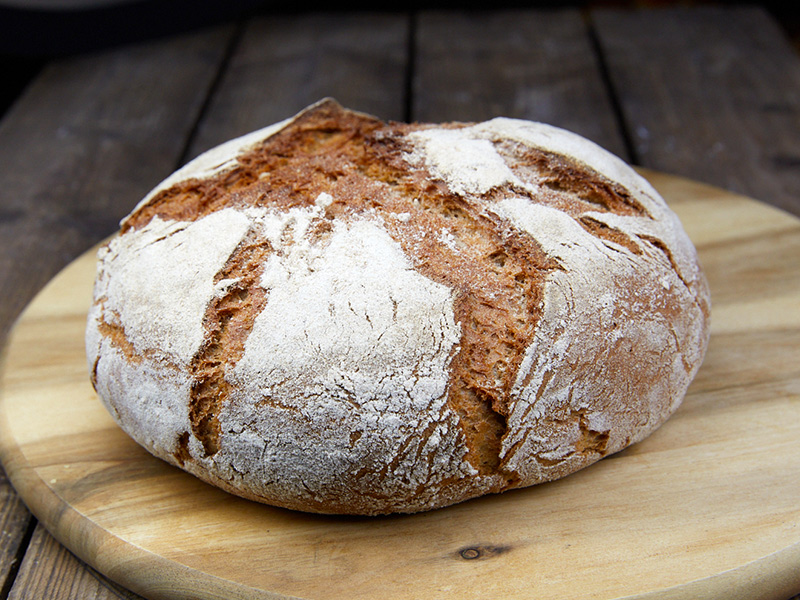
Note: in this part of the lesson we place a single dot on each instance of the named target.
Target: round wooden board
(707, 507)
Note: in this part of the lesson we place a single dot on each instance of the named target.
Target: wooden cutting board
(707, 507)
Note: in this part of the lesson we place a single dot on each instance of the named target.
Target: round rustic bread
(340, 315)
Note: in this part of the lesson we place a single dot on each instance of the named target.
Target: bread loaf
(341, 315)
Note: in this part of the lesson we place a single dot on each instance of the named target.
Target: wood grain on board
(705, 507)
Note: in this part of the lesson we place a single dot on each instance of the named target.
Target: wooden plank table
(708, 93)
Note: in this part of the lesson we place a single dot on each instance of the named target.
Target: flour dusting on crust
(163, 280)
(336, 314)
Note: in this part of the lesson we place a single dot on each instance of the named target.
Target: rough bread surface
(341, 315)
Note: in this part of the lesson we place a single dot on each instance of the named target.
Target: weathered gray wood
(88, 138)
(14, 522)
(50, 571)
(538, 65)
(709, 93)
(86, 141)
(284, 63)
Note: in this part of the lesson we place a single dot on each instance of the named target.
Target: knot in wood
(470, 553)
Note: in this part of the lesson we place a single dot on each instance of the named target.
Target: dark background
(30, 37)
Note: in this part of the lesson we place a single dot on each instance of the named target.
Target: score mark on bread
(337, 314)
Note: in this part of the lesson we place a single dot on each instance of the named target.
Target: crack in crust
(227, 323)
(288, 169)
(116, 334)
(567, 178)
